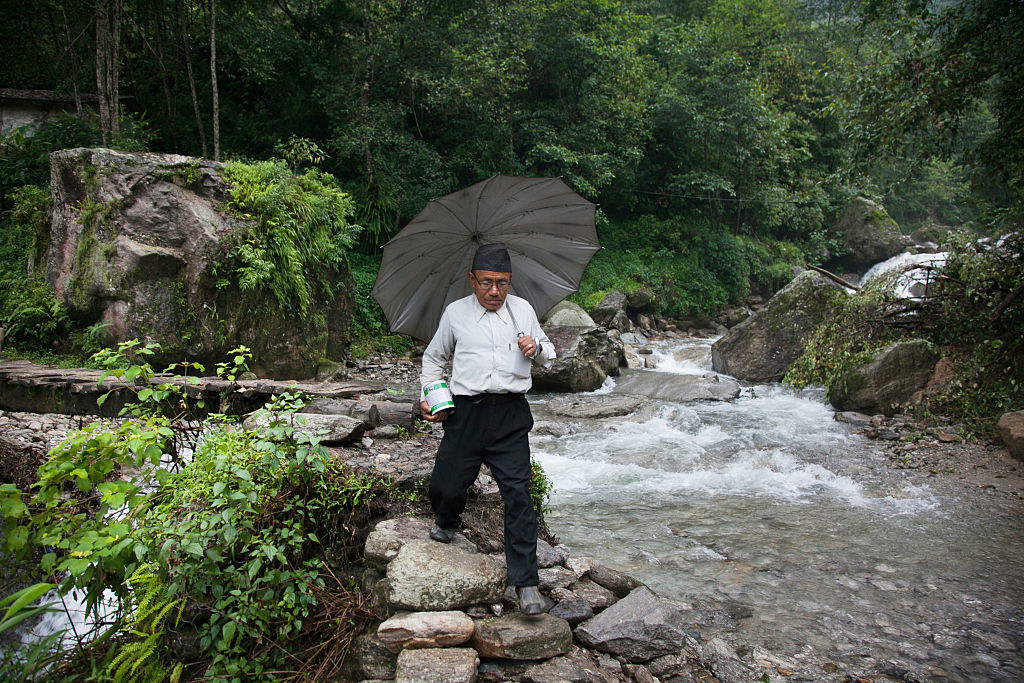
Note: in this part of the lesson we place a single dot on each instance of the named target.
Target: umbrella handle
(513, 317)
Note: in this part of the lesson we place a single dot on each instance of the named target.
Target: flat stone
(678, 388)
(595, 407)
(437, 665)
(517, 636)
(556, 670)
(426, 575)
(389, 535)
(555, 577)
(580, 565)
(598, 597)
(331, 429)
(425, 629)
(615, 581)
(546, 555)
(574, 611)
(639, 627)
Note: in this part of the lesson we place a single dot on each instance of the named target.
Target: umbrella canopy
(548, 228)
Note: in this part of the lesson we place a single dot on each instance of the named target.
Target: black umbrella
(548, 228)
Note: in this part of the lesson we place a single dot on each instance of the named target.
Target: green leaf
(229, 633)
(24, 597)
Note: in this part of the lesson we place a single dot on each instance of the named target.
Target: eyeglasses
(486, 285)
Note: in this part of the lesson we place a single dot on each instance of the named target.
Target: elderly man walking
(491, 338)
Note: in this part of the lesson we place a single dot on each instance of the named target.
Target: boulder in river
(638, 628)
(869, 235)
(678, 388)
(890, 379)
(586, 356)
(762, 347)
(595, 407)
(568, 314)
(142, 243)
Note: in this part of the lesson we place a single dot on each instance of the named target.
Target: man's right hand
(425, 411)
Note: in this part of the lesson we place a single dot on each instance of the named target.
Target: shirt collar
(479, 311)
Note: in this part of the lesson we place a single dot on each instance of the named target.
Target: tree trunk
(183, 20)
(213, 80)
(72, 60)
(108, 50)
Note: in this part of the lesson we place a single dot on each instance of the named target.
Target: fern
(148, 608)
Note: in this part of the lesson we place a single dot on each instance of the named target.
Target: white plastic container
(439, 397)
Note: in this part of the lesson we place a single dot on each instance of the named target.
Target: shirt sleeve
(545, 349)
(438, 352)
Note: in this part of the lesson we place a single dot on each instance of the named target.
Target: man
(494, 337)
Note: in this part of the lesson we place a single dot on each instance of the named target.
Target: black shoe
(530, 601)
(442, 535)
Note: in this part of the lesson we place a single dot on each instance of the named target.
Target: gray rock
(585, 358)
(568, 314)
(618, 583)
(369, 658)
(667, 665)
(389, 535)
(723, 661)
(574, 611)
(895, 374)
(546, 555)
(631, 356)
(633, 338)
(677, 388)
(519, 636)
(580, 565)
(556, 577)
(437, 665)
(640, 299)
(556, 670)
(639, 627)
(331, 429)
(426, 575)
(598, 597)
(852, 417)
(611, 312)
(762, 347)
(425, 629)
(595, 407)
(144, 259)
(869, 235)
(1011, 431)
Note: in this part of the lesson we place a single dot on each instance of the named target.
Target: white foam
(606, 388)
(912, 283)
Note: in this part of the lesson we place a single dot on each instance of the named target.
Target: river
(765, 507)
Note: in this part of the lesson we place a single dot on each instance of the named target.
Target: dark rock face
(611, 312)
(890, 379)
(1011, 431)
(762, 347)
(869, 234)
(135, 242)
(585, 358)
(639, 627)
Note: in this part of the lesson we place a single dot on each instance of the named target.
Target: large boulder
(142, 243)
(638, 628)
(678, 388)
(611, 312)
(1011, 431)
(762, 347)
(426, 575)
(869, 235)
(586, 356)
(568, 314)
(890, 379)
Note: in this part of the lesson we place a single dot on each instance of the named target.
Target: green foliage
(298, 230)
(540, 489)
(369, 326)
(32, 316)
(29, 662)
(239, 363)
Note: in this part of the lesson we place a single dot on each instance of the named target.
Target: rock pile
(449, 617)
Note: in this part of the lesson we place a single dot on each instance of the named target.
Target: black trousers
(488, 430)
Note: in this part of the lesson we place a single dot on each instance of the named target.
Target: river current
(766, 508)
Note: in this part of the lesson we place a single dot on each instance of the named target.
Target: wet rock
(437, 665)
(639, 627)
(595, 407)
(546, 555)
(586, 357)
(425, 629)
(723, 661)
(598, 597)
(580, 565)
(618, 583)
(887, 381)
(762, 347)
(667, 665)
(573, 610)
(519, 636)
(852, 417)
(638, 673)
(1011, 431)
(426, 575)
(678, 388)
(568, 314)
(611, 312)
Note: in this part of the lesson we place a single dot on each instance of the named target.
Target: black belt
(492, 399)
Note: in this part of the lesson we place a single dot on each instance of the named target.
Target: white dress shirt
(487, 358)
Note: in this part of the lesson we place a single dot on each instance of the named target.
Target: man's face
(490, 287)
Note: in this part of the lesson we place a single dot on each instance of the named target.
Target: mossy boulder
(889, 380)
(145, 244)
(869, 235)
(762, 347)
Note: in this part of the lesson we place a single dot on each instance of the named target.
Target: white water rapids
(767, 508)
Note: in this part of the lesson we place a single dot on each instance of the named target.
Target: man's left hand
(528, 346)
